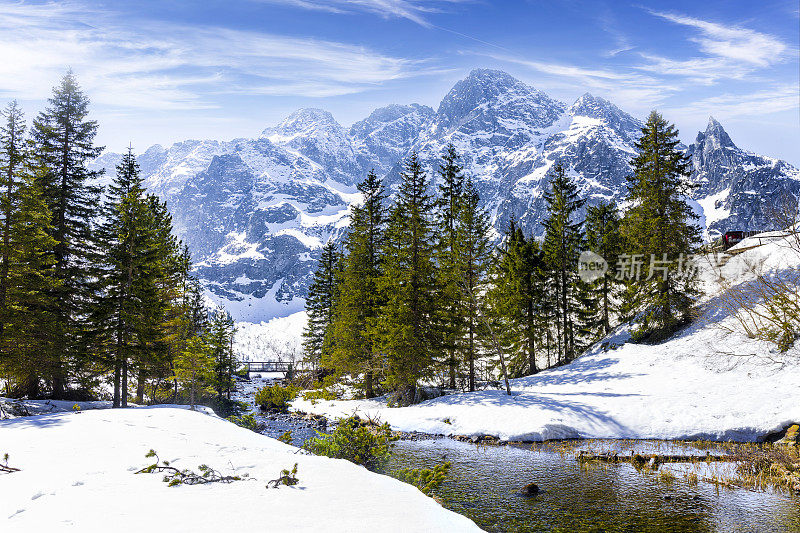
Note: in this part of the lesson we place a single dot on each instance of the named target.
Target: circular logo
(591, 266)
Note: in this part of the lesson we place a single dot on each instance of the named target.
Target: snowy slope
(709, 381)
(256, 212)
(77, 474)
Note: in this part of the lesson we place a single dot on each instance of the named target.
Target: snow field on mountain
(78, 474)
(278, 339)
(709, 381)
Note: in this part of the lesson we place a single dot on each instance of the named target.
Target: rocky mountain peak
(715, 136)
(592, 106)
(491, 95)
(304, 121)
(386, 115)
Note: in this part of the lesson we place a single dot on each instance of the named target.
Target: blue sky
(161, 71)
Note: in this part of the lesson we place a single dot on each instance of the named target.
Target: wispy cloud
(729, 52)
(416, 11)
(757, 104)
(623, 87)
(731, 42)
(155, 66)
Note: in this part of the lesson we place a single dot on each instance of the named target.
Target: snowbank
(706, 382)
(78, 475)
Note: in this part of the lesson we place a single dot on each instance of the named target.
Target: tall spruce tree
(561, 250)
(64, 140)
(600, 296)
(449, 206)
(28, 340)
(659, 227)
(131, 268)
(409, 335)
(516, 295)
(13, 156)
(473, 255)
(357, 310)
(322, 294)
(221, 330)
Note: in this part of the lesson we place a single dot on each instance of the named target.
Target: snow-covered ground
(709, 381)
(77, 474)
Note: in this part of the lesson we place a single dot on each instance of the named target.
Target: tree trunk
(140, 382)
(124, 391)
(117, 373)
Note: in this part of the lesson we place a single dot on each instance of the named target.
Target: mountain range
(256, 211)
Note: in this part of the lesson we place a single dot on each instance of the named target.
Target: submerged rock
(529, 490)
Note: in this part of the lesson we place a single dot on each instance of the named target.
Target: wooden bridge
(288, 369)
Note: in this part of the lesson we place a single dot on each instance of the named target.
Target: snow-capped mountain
(737, 189)
(255, 212)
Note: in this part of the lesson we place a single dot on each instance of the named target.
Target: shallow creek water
(484, 484)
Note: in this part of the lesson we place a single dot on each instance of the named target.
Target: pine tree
(221, 330)
(517, 299)
(29, 342)
(12, 160)
(194, 368)
(320, 304)
(449, 206)
(473, 254)
(64, 143)
(409, 335)
(660, 229)
(561, 249)
(359, 300)
(600, 296)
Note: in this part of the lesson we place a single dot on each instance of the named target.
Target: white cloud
(413, 10)
(757, 104)
(157, 66)
(625, 88)
(730, 52)
(731, 42)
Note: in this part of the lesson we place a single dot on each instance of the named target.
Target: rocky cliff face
(255, 212)
(738, 190)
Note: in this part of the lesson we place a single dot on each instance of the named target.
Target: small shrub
(287, 478)
(369, 446)
(286, 438)
(315, 395)
(5, 468)
(247, 421)
(276, 397)
(424, 479)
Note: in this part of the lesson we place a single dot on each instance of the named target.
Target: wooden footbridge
(288, 369)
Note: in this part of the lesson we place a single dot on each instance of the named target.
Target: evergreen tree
(221, 330)
(561, 250)
(29, 341)
(473, 254)
(12, 160)
(452, 294)
(125, 259)
(359, 300)
(517, 299)
(64, 143)
(602, 238)
(409, 335)
(659, 228)
(320, 306)
(194, 368)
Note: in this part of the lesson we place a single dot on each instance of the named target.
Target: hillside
(709, 381)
